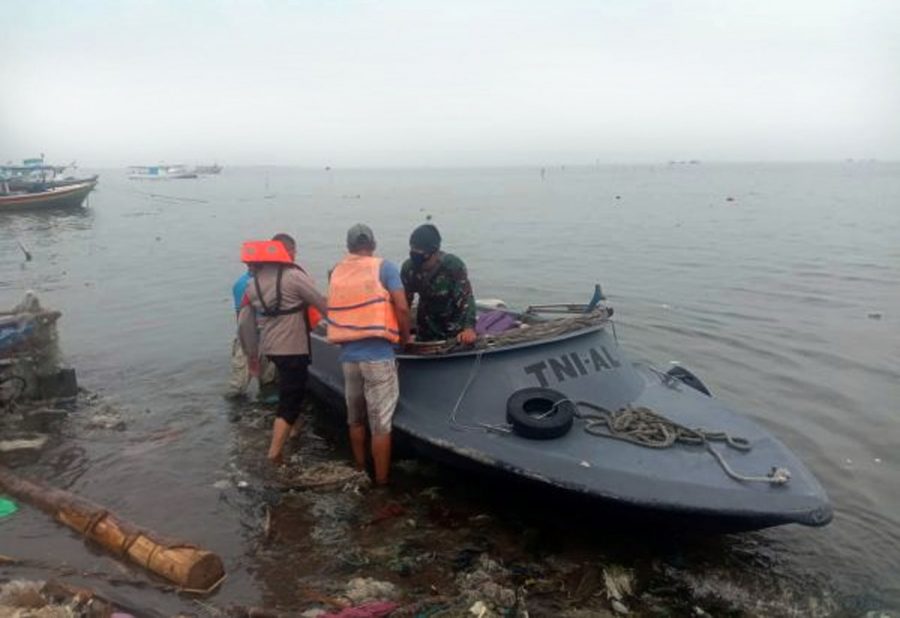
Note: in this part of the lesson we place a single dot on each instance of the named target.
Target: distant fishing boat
(33, 175)
(215, 168)
(160, 172)
(69, 196)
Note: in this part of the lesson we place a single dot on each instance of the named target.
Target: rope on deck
(644, 427)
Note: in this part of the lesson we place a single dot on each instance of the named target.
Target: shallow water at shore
(782, 299)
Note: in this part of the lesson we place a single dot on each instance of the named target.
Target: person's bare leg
(382, 391)
(358, 445)
(356, 412)
(296, 429)
(280, 432)
(381, 453)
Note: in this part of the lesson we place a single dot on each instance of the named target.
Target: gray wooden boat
(459, 406)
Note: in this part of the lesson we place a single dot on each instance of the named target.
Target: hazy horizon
(469, 84)
(548, 166)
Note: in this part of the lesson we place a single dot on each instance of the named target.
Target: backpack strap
(276, 311)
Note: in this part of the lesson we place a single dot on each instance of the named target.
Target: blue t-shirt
(240, 286)
(374, 348)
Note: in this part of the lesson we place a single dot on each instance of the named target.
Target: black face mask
(419, 258)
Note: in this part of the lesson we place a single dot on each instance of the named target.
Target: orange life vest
(265, 251)
(274, 252)
(359, 306)
(314, 316)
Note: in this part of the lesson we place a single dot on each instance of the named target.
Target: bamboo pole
(192, 568)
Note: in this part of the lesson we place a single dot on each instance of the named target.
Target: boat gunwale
(405, 356)
(49, 198)
(53, 191)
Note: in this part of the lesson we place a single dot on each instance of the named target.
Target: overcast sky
(455, 82)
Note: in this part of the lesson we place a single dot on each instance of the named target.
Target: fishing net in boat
(531, 327)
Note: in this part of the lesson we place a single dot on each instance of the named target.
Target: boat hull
(37, 186)
(70, 196)
(183, 176)
(453, 408)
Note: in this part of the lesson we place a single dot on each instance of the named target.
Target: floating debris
(194, 569)
(588, 584)
(7, 508)
(37, 599)
(377, 609)
(25, 251)
(328, 475)
(23, 444)
(362, 589)
(109, 419)
(486, 584)
(618, 582)
(619, 607)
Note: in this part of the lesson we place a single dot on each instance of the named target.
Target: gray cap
(360, 236)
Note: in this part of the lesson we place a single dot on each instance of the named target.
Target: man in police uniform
(273, 323)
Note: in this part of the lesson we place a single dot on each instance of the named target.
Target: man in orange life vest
(367, 316)
(281, 293)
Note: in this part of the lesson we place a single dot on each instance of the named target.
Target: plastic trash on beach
(7, 507)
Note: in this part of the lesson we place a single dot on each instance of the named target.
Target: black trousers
(293, 371)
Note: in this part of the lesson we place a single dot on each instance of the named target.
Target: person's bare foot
(276, 459)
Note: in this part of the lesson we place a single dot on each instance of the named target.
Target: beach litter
(23, 444)
(362, 589)
(618, 583)
(37, 599)
(324, 476)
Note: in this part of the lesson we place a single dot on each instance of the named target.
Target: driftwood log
(190, 567)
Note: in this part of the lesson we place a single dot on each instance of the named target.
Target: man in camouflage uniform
(446, 302)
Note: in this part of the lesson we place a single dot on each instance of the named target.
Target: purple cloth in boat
(494, 322)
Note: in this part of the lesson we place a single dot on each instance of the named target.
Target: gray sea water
(779, 285)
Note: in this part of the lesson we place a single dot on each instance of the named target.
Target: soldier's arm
(465, 298)
(406, 278)
(398, 297)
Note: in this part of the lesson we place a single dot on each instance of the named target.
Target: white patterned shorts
(372, 389)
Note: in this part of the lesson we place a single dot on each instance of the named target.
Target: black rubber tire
(687, 376)
(524, 407)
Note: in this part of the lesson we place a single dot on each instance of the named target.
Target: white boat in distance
(160, 172)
